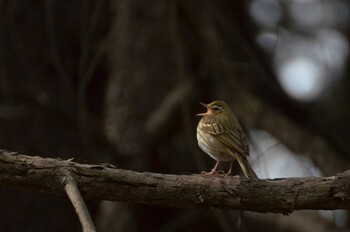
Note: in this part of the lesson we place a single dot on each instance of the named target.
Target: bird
(220, 135)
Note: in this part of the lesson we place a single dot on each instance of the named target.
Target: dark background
(119, 82)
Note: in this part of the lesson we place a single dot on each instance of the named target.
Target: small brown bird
(221, 137)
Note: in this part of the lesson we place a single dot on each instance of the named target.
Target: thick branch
(102, 182)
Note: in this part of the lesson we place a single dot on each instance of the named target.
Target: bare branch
(77, 200)
(103, 182)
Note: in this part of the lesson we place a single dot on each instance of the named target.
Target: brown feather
(231, 135)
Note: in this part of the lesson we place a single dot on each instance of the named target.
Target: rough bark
(105, 182)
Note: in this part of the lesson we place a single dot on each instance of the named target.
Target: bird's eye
(216, 108)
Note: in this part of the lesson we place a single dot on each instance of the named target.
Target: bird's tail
(246, 168)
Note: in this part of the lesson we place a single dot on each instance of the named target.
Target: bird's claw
(227, 174)
(208, 173)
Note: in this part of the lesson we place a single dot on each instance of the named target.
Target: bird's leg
(214, 170)
(230, 170)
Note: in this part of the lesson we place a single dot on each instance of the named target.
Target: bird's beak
(209, 112)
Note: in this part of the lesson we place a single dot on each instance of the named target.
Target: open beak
(209, 112)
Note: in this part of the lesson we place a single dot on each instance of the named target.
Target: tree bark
(105, 182)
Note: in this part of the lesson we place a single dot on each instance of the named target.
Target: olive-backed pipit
(221, 137)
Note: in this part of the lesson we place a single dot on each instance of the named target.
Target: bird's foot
(209, 173)
(217, 173)
(228, 174)
(213, 172)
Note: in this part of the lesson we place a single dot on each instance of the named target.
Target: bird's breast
(210, 145)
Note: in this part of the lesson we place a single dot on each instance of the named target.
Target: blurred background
(119, 82)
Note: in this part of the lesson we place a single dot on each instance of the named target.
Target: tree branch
(105, 182)
(78, 203)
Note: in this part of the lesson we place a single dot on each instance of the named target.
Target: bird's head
(215, 108)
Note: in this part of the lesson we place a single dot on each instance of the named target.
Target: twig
(78, 203)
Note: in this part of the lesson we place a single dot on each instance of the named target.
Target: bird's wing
(233, 138)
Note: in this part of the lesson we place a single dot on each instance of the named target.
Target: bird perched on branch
(221, 137)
